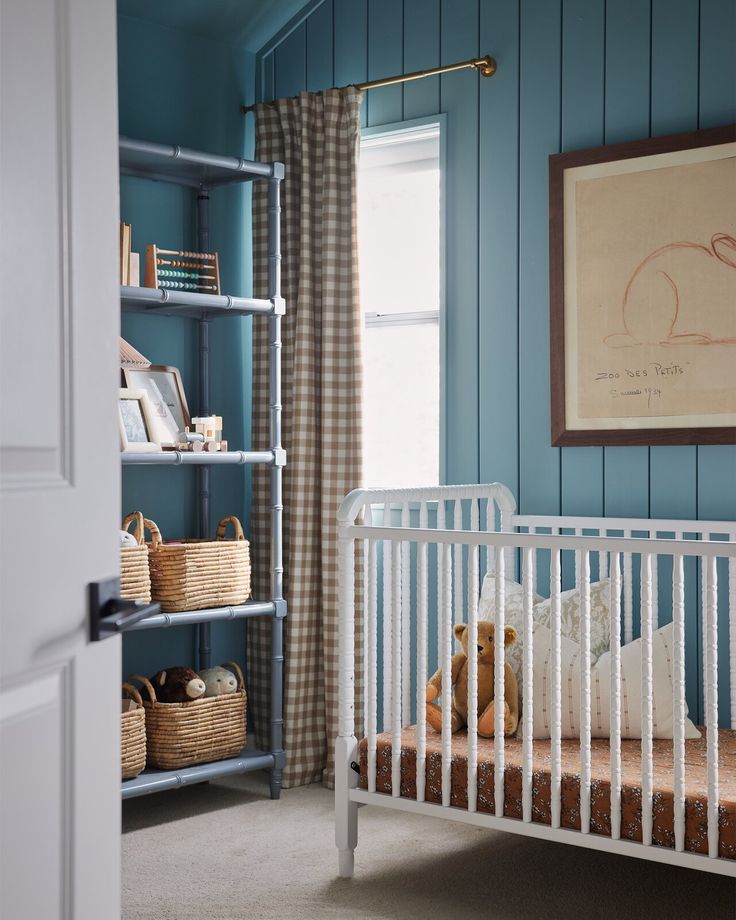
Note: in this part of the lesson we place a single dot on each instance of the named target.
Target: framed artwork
(163, 386)
(137, 424)
(643, 291)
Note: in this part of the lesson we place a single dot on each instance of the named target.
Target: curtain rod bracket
(486, 66)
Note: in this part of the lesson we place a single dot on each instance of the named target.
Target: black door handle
(109, 613)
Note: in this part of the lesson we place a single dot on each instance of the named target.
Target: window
(400, 257)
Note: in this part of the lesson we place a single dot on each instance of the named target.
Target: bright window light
(399, 248)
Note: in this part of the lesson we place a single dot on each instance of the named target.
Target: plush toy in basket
(193, 727)
(197, 574)
(132, 733)
(135, 578)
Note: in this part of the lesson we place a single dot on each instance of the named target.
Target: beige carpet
(224, 851)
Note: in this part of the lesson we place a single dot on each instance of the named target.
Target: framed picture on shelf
(642, 292)
(137, 423)
(162, 384)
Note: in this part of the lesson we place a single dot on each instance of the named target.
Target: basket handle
(147, 684)
(156, 539)
(133, 693)
(136, 516)
(238, 673)
(237, 527)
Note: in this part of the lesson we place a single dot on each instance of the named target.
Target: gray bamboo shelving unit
(202, 172)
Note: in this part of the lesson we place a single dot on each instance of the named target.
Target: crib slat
(615, 717)
(396, 669)
(422, 616)
(527, 754)
(628, 597)
(678, 734)
(556, 687)
(655, 591)
(406, 662)
(458, 615)
(499, 693)
(387, 613)
(445, 617)
(711, 701)
(472, 675)
(585, 731)
(704, 633)
(732, 636)
(440, 585)
(647, 699)
(372, 654)
(367, 519)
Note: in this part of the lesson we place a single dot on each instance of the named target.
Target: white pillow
(600, 606)
(600, 675)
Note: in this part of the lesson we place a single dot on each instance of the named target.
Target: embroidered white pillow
(600, 606)
(600, 676)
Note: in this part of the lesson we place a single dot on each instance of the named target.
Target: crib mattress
(696, 821)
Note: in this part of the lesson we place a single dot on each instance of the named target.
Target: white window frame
(396, 129)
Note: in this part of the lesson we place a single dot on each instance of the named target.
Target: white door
(59, 461)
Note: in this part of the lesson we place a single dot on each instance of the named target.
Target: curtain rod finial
(487, 66)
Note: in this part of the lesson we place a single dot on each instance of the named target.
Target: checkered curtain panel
(316, 136)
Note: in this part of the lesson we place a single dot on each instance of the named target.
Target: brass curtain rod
(485, 65)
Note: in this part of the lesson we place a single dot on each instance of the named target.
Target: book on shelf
(125, 243)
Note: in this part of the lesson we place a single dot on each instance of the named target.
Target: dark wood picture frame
(562, 433)
(131, 378)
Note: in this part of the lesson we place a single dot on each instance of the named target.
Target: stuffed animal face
(177, 685)
(218, 681)
(486, 632)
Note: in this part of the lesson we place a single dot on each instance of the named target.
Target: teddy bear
(486, 672)
(177, 685)
(218, 681)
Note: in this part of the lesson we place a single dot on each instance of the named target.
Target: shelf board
(183, 166)
(165, 302)
(188, 458)
(210, 615)
(160, 780)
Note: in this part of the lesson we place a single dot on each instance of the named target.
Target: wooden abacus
(181, 270)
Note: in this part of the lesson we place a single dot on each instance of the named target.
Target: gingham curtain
(316, 136)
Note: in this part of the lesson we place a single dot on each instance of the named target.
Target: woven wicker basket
(133, 735)
(196, 574)
(183, 734)
(135, 576)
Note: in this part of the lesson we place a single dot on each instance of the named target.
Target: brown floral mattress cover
(696, 820)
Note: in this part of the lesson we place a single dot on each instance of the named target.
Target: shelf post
(277, 508)
(203, 472)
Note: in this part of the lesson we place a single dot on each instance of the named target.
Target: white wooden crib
(430, 548)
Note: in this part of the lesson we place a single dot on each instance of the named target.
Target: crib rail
(424, 554)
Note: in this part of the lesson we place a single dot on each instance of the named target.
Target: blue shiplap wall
(571, 74)
(178, 87)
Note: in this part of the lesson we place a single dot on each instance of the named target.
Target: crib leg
(346, 812)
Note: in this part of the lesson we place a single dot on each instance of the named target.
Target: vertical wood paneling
(498, 363)
(290, 64)
(459, 97)
(539, 136)
(385, 58)
(583, 29)
(626, 117)
(571, 74)
(350, 52)
(319, 48)
(421, 52)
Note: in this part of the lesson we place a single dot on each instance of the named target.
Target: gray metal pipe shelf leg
(277, 508)
(203, 473)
